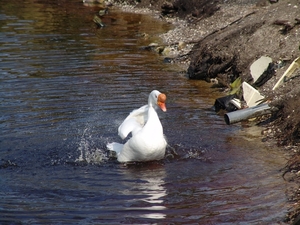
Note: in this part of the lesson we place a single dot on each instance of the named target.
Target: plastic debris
(224, 103)
(259, 67)
(236, 102)
(243, 114)
(235, 86)
(267, 75)
(251, 95)
(288, 73)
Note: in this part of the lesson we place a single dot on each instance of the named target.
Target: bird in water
(148, 142)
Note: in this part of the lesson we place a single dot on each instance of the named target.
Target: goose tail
(114, 146)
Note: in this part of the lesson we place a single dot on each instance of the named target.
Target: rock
(159, 49)
(168, 8)
(98, 21)
(92, 3)
(102, 12)
(153, 44)
(151, 47)
(181, 45)
(166, 51)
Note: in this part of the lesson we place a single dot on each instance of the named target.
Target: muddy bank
(219, 40)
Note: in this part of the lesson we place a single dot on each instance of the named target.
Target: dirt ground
(224, 39)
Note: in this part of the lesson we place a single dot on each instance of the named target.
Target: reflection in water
(149, 186)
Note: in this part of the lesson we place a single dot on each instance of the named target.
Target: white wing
(134, 122)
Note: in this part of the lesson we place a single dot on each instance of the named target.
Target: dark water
(65, 86)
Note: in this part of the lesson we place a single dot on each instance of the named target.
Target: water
(65, 86)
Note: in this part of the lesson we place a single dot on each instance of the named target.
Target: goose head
(157, 99)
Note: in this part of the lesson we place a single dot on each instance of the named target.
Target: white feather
(147, 142)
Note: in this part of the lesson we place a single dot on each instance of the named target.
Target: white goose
(147, 142)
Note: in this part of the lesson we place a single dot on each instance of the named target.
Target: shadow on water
(65, 86)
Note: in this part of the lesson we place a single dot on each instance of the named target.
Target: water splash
(195, 154)
(181, 152)
(89, 153)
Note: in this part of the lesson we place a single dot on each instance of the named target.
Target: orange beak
(161, 102)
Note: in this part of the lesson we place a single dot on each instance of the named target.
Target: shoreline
(254, 24)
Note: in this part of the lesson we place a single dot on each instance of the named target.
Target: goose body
(147, 142)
